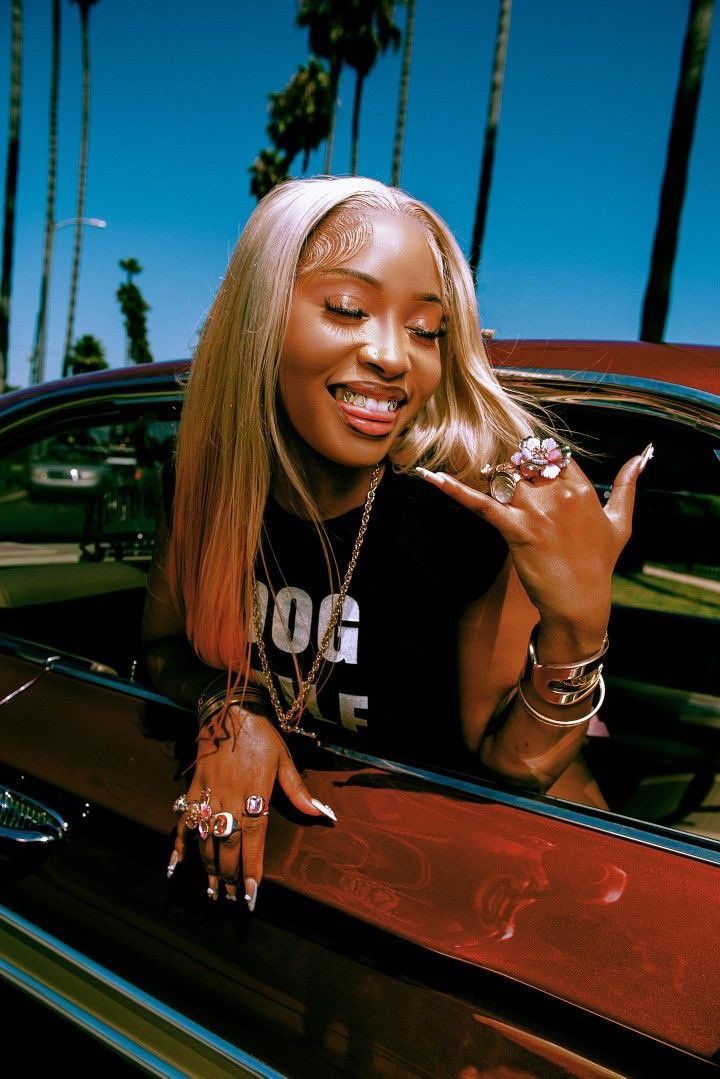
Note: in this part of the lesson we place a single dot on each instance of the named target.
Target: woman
(343, 555)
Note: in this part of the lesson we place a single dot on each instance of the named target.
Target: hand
(563, 542)
(248, 762)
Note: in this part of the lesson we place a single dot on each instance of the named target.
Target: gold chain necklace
(289, 720)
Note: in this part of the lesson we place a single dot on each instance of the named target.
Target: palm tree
(491, 126)
(403, 98)
(37, 360)
(134, 308)
(371, 31)
(326, 32)
(84, 6)
(300, 114)
(672, 196)
(11, 174)
(131, 267)
(87, 354)
(268, 169)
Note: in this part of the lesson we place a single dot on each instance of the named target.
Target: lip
(369, 424)
(375, 390)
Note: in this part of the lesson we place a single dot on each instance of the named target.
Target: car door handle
(37, 659)
(23, 821)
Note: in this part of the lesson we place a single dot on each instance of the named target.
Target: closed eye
(351, 312)
(430, 335)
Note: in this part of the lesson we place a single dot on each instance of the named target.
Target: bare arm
(493, 640)
(563, 549)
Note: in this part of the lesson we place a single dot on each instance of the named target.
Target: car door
(523, 888)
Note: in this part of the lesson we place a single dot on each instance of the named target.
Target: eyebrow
(427, 297)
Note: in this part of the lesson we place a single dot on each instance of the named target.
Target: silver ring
(503, 479)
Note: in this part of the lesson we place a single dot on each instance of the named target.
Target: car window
(660, 761)
(77, 520)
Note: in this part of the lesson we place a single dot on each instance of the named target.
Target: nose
(389, 359)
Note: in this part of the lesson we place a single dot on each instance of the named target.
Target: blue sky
(179, 112)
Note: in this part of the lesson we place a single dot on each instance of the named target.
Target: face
(362, 349)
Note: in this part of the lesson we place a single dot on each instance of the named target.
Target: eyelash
(357, 312)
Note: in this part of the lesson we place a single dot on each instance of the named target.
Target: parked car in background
(447, 925)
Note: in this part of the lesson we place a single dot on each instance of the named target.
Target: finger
(502, 516)
(291, 782)
(178, 851)
(253, 850)
(228, 859)
(209, 860)
(619, 506)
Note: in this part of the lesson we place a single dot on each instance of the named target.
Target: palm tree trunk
(403, 97)
(672, 196)
(37, 361)
(335, 70)
(357, 102)
(491, 126)
(11, 175)
(82, 177)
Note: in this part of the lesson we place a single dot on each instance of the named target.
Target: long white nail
(251, 890)
(324, 809)
(172, 863)
(647, 454)
(434, 477)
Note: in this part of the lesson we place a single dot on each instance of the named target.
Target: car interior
(77, 517)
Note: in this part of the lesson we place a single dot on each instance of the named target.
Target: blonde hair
(231, 436)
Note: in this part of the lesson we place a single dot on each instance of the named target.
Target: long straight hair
(232, 436)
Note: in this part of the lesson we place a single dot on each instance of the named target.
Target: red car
(447, 926)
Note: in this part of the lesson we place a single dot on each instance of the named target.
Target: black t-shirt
(393, 685)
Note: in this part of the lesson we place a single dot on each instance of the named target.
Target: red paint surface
(619, 928)
(683, 365)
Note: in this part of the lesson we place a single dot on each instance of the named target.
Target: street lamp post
(37, 358)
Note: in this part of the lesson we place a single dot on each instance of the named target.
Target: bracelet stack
(214, 698)
(563, 684)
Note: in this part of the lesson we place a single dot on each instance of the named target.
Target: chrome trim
(614, 381)
(627, 392)
(68, 665)
(55, 956)
(700, 848)
(54, 825)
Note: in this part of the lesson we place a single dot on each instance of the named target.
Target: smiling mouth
(373, 417)
(365, 401)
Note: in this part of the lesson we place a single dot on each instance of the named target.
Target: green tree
(300, 114)
(84, 6)
(327, 34)
(11, 175)
(403, 93)
(672, 195)
(491, 128)
(37, 360)
(134, 308)
(371, 31)
(268, 170)
(87, 354)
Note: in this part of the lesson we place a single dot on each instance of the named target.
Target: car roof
(696, 366)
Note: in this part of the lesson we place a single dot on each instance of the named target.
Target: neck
(335, 488)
